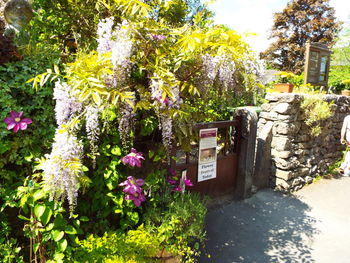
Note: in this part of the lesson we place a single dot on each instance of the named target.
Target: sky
(256, 16)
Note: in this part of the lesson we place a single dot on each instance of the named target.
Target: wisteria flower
(133, 190)
(158, 37)
(16, 121)
(133, 159)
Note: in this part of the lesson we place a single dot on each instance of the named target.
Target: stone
(269, 115)
(267, 106)
(302, 138)
(285, 128)
(309, 179)
(287, 118)
(302, 172)
(286, 164)
(304, 145)
(285, 175)
(281, 154)
(280, 183)
(298, 181)
(281, 143)
(283, 108)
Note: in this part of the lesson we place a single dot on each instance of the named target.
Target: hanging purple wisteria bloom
(126, 123)
(16, 121)
(133, 159)
(158, 37)
(133, 190)
(92, 130)
(67, 106)
(63, 167)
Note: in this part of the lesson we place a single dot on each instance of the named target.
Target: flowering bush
(142, 88)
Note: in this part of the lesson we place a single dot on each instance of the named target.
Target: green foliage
(18, 150)
(46, 225)
(57, 22)
(316, 110)
(134, 246)
(337, 74)
(9, 251)
(178, 221)
(300, 21)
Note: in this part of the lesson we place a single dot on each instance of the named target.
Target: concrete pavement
(311, 225)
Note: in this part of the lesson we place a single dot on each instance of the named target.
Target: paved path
(312, 225)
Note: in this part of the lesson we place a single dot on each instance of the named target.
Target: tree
(300, 21)
(341, 51)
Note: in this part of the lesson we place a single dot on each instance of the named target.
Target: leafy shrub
(336, 75)
(316, 110)
(19, 150)
(178, 223)
(134, 246)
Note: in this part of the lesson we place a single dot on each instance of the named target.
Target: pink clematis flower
(133, 190)
(133, 159)
(187, 181)
(137, 198)
(16, 121)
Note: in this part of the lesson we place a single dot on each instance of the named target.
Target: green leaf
(96, 97)
(58, 256)
(50, 227)
(39, 194)
(23, 218)
(57, 235)
(39, 210)
(46, 216)
(36, 247)
(116, 150)
(62, 245)
(70, 230)
(84, 218)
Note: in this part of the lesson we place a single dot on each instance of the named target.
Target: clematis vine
(133, 190)
(133, 159)
(16, 121)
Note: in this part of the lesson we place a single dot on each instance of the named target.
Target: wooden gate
(229, 133)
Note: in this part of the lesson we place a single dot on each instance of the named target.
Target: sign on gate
(207, 154)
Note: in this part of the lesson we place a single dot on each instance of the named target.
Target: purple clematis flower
(187, 181)
(137, 198)
(177, 189)
(133, 190)
(16, 121)
(133, 159)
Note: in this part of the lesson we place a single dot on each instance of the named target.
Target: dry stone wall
(296, 157)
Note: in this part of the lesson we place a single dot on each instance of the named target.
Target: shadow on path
(268, 227)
